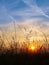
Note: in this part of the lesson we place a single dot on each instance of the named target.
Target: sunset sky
(30, 17)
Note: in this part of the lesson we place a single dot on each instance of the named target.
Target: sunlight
(32, 48)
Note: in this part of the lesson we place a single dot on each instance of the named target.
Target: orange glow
(32, 48)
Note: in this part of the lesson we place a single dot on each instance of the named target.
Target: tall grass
(45, 42)
(14, 44)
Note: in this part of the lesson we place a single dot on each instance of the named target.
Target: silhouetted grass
(11, 56)
(24, 58)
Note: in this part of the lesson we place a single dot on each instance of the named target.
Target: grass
(11, 56)
(24, 58)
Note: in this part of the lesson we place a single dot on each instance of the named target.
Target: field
(24, 58)
(25, 46)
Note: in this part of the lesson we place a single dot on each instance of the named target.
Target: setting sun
(32, 48)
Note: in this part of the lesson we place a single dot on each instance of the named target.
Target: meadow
(24, 46)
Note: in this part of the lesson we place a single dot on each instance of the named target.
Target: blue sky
(18, 10)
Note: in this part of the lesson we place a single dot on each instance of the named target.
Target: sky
(25, 17)
(20, 10)
(24, 20)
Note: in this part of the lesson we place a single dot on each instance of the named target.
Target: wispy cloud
(36, 8)
(11, 10)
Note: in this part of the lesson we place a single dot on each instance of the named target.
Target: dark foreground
(24, 59)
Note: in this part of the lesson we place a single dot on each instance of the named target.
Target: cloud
(31, 12)
(27, 12)
(10, 12)
(37, 8)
